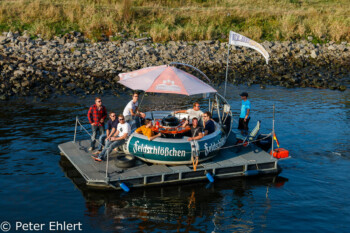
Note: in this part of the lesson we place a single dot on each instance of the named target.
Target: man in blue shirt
(112, 125)
(245, 111)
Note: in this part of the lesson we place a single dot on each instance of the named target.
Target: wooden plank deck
(228, 163)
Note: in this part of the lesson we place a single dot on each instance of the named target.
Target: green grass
(166, 20)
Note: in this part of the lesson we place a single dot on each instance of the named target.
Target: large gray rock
(131, 43)
(39, 73)
(3, 40)
(77, 53)
(45, 50)
(22, 39)
(100, 55)
(331, 47)
(17, 85)
(61, 41)
(25, 83)
(112, 48)
(18, 73)
(314, 54)
(342, 47)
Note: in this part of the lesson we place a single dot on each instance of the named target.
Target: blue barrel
(210, 177)
(124, 187)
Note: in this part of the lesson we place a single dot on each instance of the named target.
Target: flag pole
(228, 55)
(273, 128)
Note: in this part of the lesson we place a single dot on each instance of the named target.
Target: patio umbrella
(164, 79)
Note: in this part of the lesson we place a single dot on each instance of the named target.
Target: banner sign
(239, 40)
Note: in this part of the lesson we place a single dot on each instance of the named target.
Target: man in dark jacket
(209, 125)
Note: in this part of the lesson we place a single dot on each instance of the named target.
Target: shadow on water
(170, 208)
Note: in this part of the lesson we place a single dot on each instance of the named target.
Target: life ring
(125, 160)
(170, 121)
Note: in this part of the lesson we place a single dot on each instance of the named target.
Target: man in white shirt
(123, 131)
(131, 110)
(193, 112)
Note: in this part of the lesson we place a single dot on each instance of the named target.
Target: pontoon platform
(228, 163)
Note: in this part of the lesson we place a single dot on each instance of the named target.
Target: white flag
(239, 40)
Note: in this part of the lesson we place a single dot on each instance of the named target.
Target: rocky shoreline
(67, 65)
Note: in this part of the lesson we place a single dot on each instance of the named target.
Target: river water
(310, 195)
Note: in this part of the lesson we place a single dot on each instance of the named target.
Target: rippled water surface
(310, 195)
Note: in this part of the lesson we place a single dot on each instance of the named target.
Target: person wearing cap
(244, 116)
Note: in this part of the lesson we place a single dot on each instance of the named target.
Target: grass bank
(188, 20)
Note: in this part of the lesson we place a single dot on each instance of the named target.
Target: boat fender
(210, 177)
(251, 172)
(124, 187)
(280, 153)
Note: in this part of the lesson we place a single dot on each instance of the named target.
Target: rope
(236, 145)
(234, 119)
(195, 162)
(241, 144)
(194, 152)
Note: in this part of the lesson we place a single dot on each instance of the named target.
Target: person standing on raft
(244, 116)
(96, 115)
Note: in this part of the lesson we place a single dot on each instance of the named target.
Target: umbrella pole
(228, 55)
(141, 100)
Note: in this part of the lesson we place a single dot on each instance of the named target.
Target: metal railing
(74, 140)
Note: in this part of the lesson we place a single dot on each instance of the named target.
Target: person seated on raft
(111, 128)
(131, 110)
(147, 131)
(192, 112)
(209, 125)
(123, 130)
(196, 130)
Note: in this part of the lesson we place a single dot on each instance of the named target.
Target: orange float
(280, 153)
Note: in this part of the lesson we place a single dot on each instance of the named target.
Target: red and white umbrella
(164, 79)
